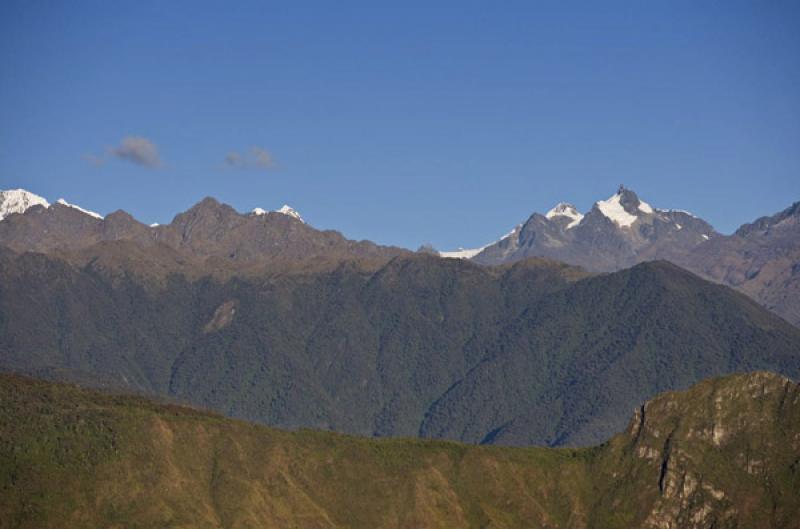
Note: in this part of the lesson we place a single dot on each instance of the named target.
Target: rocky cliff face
(726, 453)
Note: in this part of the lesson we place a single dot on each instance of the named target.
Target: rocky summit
(615, 233)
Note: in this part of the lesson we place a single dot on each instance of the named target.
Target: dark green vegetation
(534, 353)
(724, 454)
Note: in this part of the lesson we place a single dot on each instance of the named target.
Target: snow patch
(644, 207)
(677, 211)
(463, 253)
(84, 211)
(563, 209)
(284, 210)
(613, 210)
(469, 253)
(288, 210)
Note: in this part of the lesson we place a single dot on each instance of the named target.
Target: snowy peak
(284, 210)
(563, 209)
(290, 211)
(84, 211)
(19, 201)
(624, 207)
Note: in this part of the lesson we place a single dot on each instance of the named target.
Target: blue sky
(424, 122)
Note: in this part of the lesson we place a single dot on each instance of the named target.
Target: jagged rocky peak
(19, 201)
(207, 203)
(631, 201)
(789, 217)
(208, 207)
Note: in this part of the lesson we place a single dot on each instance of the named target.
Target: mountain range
(723, 454)
(263, 317)
(761, 259)
(616, 233)
(206, 230)
(550, 336)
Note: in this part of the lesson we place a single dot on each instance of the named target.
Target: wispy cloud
(138, 150)
(262, 158)
(234, 159)
(134, 149)
(254, 158)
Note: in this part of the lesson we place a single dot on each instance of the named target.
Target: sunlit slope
(723, 454)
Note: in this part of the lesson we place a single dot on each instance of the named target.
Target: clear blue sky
(405, 124)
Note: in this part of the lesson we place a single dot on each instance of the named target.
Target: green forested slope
(724, 454)
(537, 353)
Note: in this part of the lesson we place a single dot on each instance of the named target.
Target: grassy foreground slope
(722, 454)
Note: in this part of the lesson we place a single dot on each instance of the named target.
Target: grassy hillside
(536, 353)
(723, 454)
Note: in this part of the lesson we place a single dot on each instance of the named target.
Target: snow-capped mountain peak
(288, 210)
(284, 210)
(624, 207)
(563, 209)
(18, 201)
(84, 211)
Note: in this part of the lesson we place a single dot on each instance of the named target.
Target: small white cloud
(255, 158)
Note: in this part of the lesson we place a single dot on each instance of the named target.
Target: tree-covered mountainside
(724, 454)
(534, 353)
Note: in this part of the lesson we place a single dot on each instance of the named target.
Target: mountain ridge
(721, 454)
(615, 233)
(623, 230)
(207, 230)
(535, 352)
